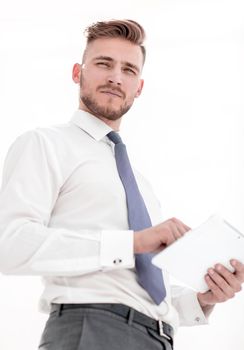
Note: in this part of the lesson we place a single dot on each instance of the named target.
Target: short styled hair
(125, 29)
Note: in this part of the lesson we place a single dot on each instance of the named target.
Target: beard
(98, 110)
(103, 111)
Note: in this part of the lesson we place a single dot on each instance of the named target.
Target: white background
(188, 123)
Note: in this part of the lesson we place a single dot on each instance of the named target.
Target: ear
(141, 84)
(76, 73)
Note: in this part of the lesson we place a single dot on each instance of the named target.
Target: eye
(102, 64)
(129, 71)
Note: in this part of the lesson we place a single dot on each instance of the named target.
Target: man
(67, 215)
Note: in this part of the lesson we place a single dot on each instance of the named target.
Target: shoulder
(54, 136)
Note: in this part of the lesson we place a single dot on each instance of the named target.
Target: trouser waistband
(163, 329)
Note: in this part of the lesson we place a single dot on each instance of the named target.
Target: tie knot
(114, 137)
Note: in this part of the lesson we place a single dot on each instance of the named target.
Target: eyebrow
(110, 59)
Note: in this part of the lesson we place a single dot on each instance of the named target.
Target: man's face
(110, 77)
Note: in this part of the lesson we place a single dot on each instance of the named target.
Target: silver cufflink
(117, 261)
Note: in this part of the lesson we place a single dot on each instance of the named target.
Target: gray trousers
(91, 329)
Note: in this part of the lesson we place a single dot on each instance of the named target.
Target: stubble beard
(102, 111)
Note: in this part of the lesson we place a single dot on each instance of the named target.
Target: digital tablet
(188, 258)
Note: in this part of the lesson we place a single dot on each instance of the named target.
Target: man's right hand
(156, 238)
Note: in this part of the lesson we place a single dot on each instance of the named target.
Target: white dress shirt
(64, 217)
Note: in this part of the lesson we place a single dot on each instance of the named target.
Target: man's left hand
(222, 283)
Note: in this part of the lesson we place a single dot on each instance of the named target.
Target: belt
(162, 328)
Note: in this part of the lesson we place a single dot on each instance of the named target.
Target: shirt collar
(95, 127)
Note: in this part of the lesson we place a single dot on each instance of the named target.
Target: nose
(115, 77)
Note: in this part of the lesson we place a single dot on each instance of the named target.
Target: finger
(176, 233)
(239, 268)
(177, 230)
(173, 232)
(168, 234)
(230, 277)
(182, 228)
(187, 228)
(217, 293)
(221, 286)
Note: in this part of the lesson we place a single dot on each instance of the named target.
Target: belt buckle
(161, 330)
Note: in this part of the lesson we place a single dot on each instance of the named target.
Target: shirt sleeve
(31, 183)
(189, 310)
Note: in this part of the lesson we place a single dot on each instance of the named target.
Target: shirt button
(197, 319)
(117, 261)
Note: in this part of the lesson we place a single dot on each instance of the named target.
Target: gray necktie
(149, 276)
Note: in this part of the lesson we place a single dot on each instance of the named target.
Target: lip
(113, 93)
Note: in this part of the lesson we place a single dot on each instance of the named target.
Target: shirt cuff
(117, 249)
(191, 313)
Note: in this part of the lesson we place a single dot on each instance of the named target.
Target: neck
(114, 124)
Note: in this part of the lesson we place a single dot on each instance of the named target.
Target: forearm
(33, 249)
